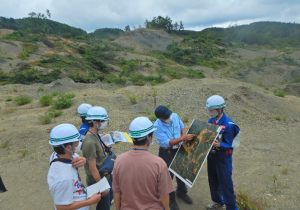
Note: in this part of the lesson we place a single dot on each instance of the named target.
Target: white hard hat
(215, 102)
(63, 133)
(97, 113)
(140, 127)
(83, 108)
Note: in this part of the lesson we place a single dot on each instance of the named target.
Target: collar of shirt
(219, 121)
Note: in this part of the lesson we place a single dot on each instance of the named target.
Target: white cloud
(195, 14)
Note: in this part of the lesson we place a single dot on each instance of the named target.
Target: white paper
(107, 139)
(119, 136)
(99, 187)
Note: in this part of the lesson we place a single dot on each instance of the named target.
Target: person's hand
(105, 193)
(78, 162)
(216, 143)
(188, 137)
(95, 198)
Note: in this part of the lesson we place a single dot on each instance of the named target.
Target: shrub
(22, 100)
(111, 78)
(63, 101)
(133, 99)
(70, 95)
(279, 93)
(9, 99)
(246, 203)
(16, 35)
(280, 118)
(49, 116)
(28, 48)
(45, 119)
(150, 114)
(55, 113)
(152, 117)
(46, 100)
(28, 76)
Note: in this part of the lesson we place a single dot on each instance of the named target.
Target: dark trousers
(219, 168)
(167, 155)
(105, 202)
(2, 187)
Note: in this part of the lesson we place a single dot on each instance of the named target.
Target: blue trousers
(167, 155)
(219, 168)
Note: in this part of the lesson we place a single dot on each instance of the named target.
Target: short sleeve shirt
(141, 178)
(92, 149)
(65, 185)
(165, 132)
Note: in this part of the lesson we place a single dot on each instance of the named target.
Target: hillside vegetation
(41, 50)
(255, 67)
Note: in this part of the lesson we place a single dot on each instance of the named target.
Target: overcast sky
(195, 14)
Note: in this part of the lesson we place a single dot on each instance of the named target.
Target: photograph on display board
(191, 155)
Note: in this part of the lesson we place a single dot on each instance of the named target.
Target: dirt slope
(265, 165)
(142, 40)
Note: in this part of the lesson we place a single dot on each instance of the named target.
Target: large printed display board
(191, 155)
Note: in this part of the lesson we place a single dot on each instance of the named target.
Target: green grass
(48, 117)
(45, 119)
(57, 102)
(150, 114)
(46, 100)
(9, 99)
(29, 76)
(280, 118)
(133, 99)
(63, 101)
(55, 113)
(245, 202)
(28, 49)
(22, 100)
(279, 92)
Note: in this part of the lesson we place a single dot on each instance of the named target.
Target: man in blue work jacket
(169, 135)
(82, 111)
(219, 160)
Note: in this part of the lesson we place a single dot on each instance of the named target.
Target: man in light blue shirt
(169, 135)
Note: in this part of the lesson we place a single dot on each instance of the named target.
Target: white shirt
(64, 184)
(54, 155)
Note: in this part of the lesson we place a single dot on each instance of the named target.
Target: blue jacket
(84, 128)
(228, 132)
